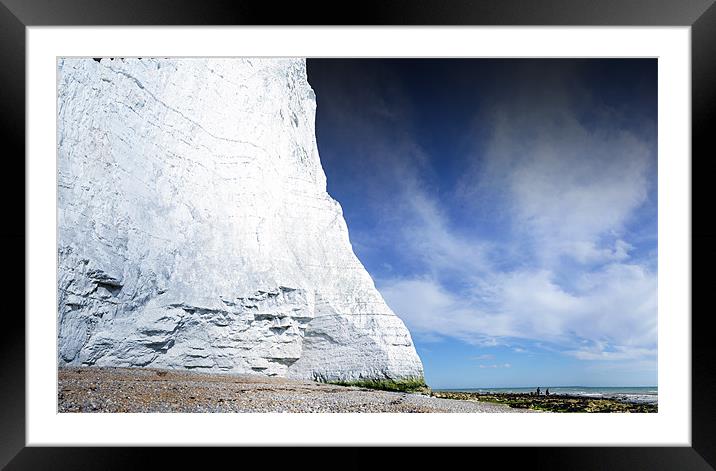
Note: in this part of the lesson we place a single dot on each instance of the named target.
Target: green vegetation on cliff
(401, 385)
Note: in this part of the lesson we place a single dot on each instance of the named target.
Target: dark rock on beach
(551, 403)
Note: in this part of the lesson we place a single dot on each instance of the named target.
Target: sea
(639, 394)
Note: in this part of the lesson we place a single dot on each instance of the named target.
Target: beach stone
(199, 392)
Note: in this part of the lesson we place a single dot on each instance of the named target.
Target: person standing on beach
(538, 391)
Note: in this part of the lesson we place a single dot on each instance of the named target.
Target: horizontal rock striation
(195, 230)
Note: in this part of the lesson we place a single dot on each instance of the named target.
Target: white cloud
(566, 185)
(426, 232)
(588, 252)
(619, 353)
(613, 311)
(563, 185)
(486, 356)
(568, 190)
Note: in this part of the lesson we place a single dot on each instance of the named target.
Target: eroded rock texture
(195, 230)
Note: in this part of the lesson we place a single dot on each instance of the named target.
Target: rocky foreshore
(95, 389)
(551, 403)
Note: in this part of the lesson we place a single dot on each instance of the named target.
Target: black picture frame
(16, 15)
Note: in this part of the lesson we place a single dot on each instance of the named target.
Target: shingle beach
(94, 389)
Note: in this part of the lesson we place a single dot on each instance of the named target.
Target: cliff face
(195, 230)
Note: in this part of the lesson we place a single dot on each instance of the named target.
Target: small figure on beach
(538, 391)
(546, 392)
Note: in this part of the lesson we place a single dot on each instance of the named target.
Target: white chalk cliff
(195, 230)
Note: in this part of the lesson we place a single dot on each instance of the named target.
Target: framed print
(238, 213)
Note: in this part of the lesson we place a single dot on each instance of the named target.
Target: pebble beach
(99, 389)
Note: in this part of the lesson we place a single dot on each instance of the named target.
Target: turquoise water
(647, 394)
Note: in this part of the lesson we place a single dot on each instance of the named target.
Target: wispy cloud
(600, 352)
(618, 303)
(486, 356)
(569, 187)
(504, 365)
(569, 192)
(563, 184)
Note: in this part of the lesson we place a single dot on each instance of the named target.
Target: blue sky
(506, 209)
